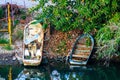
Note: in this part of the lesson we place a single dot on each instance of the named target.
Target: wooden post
(9, 23)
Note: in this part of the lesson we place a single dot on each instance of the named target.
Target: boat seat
(80, 56)
(82, 51)
(85, 46)
(79, 59)
(86, 54)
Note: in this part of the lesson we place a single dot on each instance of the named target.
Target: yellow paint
(9, 24)
(82, 1)
(10, 74)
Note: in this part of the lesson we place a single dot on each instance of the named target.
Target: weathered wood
(80, 56)
(81, 51)
(79, 59)
(83, 48)
(86, 53)
(33, 44)
(3, 30)
(82, 45)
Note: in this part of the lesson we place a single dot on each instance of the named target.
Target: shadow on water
(60, 71)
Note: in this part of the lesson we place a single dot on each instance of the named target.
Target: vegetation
(108, 38)
(61, 48)
(16, 22)
(23, 17)
(95, 16)
(1, 12)
(18, 35)
(67, 15)
(8, 47)
(3, 41)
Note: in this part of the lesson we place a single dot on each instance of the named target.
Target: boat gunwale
(34, 62)
(73, 48)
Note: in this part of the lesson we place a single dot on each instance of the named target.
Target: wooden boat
(33, 44)
(81, 50)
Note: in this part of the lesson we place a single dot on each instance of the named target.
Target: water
(60, 72)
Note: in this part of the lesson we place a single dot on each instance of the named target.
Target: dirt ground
(60, 43)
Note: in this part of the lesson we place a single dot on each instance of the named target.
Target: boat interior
(82, 49)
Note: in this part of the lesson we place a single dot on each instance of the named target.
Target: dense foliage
(100, 16)
(67, 15)
(108, 38)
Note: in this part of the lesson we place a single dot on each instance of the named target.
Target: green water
(60, 72)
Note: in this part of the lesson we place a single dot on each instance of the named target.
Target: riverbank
(56, 47)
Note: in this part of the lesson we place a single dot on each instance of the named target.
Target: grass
(8, 47)
(61, 48)
(18, 35)
(3, 41)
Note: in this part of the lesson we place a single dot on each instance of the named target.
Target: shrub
(66, 15)
(108, 38)
(4, 41)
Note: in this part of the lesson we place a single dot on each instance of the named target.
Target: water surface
(60, 71)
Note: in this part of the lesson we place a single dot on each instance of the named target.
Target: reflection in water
(31, 74)
(61, 73)
(55, 75)
(1, 78)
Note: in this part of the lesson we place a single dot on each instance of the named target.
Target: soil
(8, 59)
(60, 43)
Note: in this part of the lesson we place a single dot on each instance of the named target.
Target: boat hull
(33, 44)
(81, 51)
(31, 62)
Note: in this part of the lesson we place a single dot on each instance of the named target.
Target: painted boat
(33, 44)
(81, 50)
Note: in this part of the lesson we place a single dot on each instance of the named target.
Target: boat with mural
(81, 50)
(33, 44)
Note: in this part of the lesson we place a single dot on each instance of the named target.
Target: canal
(60, 71)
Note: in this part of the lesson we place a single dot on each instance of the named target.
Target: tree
(66, 15)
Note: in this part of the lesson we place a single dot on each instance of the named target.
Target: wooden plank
(3, 30)
(83, 48)
(79, 46)
(3, 44)
(81, 51)
(80, 56)
(79, 59)
(83, 54)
